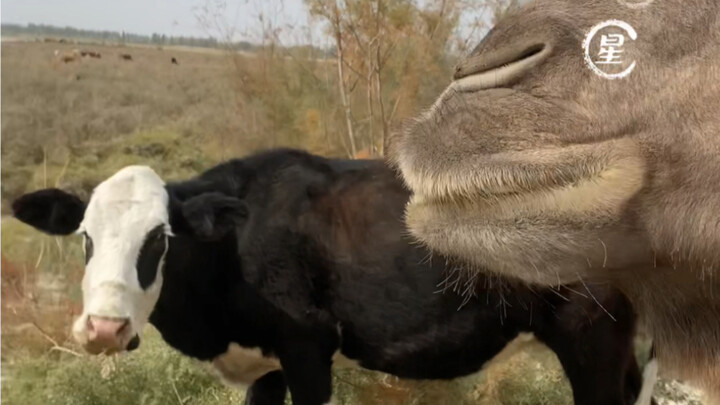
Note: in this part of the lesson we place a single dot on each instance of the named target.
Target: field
(72, 124)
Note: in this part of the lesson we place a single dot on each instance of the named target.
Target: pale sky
(179, 17)
(170, 17)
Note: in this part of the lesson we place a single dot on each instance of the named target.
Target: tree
(372, 36)
(388, 59)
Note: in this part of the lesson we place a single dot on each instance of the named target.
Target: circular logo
(611, 52)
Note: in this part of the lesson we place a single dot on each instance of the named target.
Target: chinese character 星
(609, 53)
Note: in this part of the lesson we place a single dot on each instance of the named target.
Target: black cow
(277, 265)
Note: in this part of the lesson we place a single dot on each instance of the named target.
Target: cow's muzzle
(109, 335)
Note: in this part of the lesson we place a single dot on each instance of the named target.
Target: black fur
(321, 262)
(323, 245)
(51, 210)
(149, 257)
(212, 215)
(270, 389)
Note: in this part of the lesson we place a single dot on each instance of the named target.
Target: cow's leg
(597, 377)
(596, 353)
(633, 381)
(269, 389)
(308, 374)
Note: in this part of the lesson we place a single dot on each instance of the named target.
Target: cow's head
(126, 226)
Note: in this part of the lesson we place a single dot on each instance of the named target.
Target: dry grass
(52, 103)
(50, 108)
(54, 114)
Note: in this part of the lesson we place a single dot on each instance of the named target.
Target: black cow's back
(323, 259)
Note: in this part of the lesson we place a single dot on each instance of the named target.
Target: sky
(180, 17)
(169, 17)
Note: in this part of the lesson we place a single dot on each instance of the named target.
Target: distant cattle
(91, 54)
(279, 265)
(126, 56)
(174, 61)
(66, 57)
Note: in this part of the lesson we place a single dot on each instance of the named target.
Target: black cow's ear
(319, 187)
(50, 210)
(317, 190)
(211, 216)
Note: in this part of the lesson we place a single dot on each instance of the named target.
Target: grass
(156, 374)
(72, 114)
(153, 375)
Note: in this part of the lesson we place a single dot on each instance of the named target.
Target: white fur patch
(649, 380)
(121, 211)
(239, 367)
(511, 348)
(340, 361)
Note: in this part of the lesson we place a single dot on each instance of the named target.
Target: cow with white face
(276, 266)
(126, 228)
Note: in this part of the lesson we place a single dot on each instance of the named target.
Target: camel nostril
(499, 68)
(487, 61)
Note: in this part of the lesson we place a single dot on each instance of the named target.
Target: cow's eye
(151, 253)
(88, 248)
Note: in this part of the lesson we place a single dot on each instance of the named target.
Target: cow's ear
(50, 210)
(317, 190)
(319, 187)
(211, 216)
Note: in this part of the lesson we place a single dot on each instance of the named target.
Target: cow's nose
(107, 334)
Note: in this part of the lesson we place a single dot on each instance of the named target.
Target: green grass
(156, 374)
(82, 167)
(153, 375)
